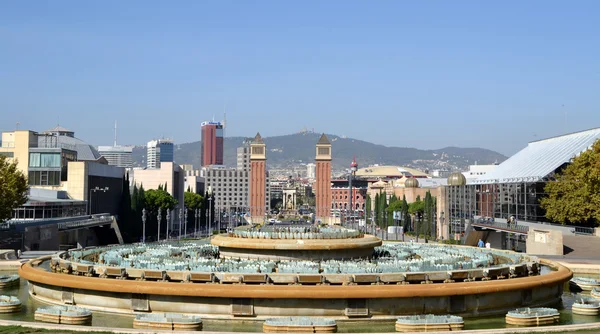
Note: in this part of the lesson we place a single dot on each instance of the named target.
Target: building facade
(311, 171)
(258, 180)
(231, 186)
(158, 151)
(211, 144)
(119, 156)
(322, 187)
(63, 169)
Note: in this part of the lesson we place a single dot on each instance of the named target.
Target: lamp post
(144, 225)
(209, 213)
(168, 221)
(196, 223)
(185, 218)
(159, 218)
(105, 189)
(180, 221)
(353, 169)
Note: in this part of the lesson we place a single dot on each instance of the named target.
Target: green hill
(299, 148)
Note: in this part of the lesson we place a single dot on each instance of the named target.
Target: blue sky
(425, 74)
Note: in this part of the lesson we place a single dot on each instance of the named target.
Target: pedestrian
(480, 244)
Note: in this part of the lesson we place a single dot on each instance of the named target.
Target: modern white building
(311, 171)
(160, 150)
(119, 156)
(477, 171)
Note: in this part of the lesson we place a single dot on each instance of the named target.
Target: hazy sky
(426, 74)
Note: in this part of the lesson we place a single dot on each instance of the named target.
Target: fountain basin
(429, 323)
(69, 315)
(9, 304)
(532, 316)
(168, 321)
(299, 325)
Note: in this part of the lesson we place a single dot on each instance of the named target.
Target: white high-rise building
(311, 170)
(120, 156)
(159, 151)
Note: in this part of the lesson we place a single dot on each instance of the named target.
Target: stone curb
(74, 328)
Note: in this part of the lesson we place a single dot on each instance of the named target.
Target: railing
(583, 230)
(7, 144)
(94, 221)
(503, 226)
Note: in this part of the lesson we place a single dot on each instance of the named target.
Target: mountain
(289, 150)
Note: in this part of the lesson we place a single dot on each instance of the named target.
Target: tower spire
(115, 144)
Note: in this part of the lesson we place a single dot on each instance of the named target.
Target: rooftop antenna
(18, 126)
(115, 134)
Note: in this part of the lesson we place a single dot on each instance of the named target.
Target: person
(480, 244)
(488, 245)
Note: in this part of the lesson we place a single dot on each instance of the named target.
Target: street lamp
(185, 216)
(168, 222)
(159, 218)
(180, 221)
(209, 212)
(105, 189)
(196, 223)
(353, 169)
(144, 225)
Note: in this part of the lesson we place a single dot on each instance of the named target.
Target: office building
(160, 150)
(231, 186)
(211, 144)
(119, 156)
(311, 171)
(55, 160)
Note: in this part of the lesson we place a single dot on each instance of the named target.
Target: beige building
(389, 172)
(169, 174)
(231, 186)
(55, 160)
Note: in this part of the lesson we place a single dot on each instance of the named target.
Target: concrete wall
(45, 237)
(82, 238)
(544, 242)
(475, 305)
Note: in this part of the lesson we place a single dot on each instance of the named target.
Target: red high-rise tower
(211, 144)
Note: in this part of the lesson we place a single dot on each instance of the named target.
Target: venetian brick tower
(323, 182)
(258, 179)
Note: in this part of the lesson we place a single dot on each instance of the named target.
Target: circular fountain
(264, 273)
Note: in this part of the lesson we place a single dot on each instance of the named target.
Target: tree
(406, 220)
(192, 202)
(125, 211)
(368, 209)
(13, 188)
(574, 198)
(377, 214)
(158, 198)
(153, 200)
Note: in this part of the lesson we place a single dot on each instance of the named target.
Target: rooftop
(389, 171)
(541, 158)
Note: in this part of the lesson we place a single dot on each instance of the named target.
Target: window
(323, 151)
(37, 160)
(44, 178)
(7, 154)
